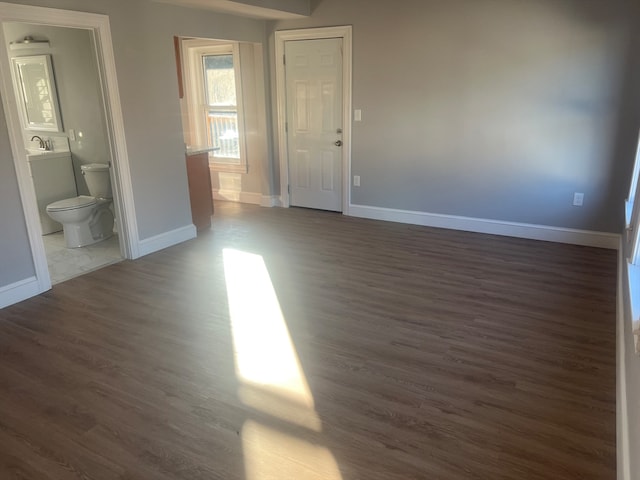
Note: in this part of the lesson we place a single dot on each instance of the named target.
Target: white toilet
(87, 220)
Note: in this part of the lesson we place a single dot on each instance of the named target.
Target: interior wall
(488, 108)
(143, 41)
(142, 33)
(78, 83)
(16, 262)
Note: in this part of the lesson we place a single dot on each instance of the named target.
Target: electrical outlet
(578, 199)
(356, 180)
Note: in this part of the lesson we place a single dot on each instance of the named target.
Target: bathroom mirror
(35, 88)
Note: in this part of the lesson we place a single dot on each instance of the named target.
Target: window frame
(632, 239)
(196, 97)
(632, 212)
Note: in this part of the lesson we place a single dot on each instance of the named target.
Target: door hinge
(286, 127)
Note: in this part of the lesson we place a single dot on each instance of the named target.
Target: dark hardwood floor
(408, 353)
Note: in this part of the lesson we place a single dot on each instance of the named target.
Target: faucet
(43, 145)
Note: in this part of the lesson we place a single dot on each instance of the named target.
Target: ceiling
(276, 9)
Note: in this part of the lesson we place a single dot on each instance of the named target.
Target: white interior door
(313, 77)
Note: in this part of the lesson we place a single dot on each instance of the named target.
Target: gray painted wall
(299, 7)
(494, 109)
(76, 72)
(143, 46)
(631, 361)
(16, 262)
(143, 42)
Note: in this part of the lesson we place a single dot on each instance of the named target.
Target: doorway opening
(63, 126)
(61, 102)
(223, 102)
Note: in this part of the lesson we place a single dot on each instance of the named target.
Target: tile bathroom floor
(65, 263)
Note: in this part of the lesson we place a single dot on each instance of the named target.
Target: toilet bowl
(86, 219)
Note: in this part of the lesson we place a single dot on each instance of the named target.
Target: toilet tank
(98, 181)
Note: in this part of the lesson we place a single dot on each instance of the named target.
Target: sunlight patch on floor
(271, 379)
(264, 353)
(271, 454)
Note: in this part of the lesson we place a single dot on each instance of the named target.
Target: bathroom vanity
(200, 191)
(53, 180)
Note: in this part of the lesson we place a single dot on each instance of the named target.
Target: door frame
(121, 173)
(282, 36)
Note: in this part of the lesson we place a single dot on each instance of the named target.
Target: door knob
(338, 143)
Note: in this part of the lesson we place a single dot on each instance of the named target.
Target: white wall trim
(282, 36)
(123, 187)
(236, 196)
(19, 291)
(622, 412)
(270, 201)
(493, 227)
(247, 197)
(167, 239)
(123, 191)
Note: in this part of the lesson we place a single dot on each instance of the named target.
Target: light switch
(72, 134)
(357, 115)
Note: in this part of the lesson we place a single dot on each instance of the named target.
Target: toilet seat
(71, 203)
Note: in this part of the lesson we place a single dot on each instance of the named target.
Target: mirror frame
(21, 93)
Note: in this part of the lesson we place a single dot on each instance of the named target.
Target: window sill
(633, 283)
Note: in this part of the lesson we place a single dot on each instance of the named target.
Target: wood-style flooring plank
(428, 354)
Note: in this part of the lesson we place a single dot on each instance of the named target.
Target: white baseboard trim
(235, 196)
(270, 201)
(493, 227)
(167, 239)
(622, 412)
(19, 291)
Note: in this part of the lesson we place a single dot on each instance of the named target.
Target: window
(632, 213)
(214, 99)
(221, 107)
(632, 216)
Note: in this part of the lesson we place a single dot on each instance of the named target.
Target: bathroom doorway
(63, 130)
(75, 130)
